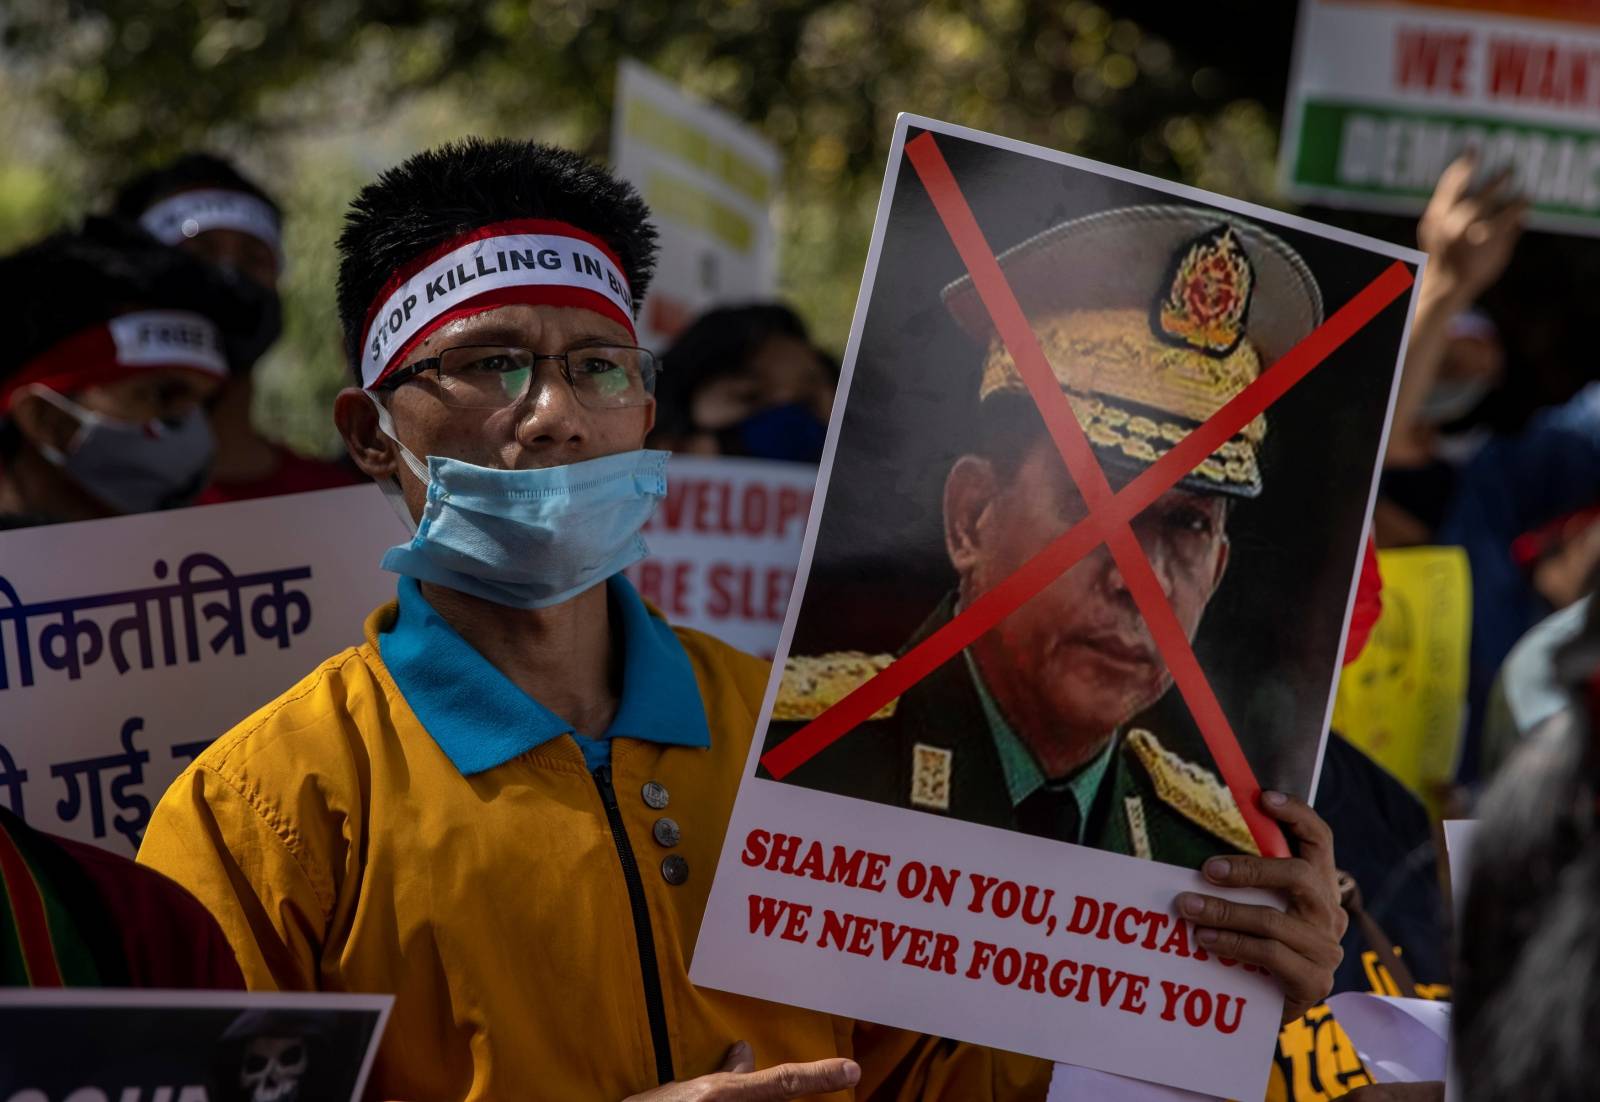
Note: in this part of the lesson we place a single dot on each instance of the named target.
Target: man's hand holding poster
(1099, 437)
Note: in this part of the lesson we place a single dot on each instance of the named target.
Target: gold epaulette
(1192, 791)
(814, 683)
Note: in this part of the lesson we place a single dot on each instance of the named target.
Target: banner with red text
(1074, 591)
(1384, 95)
(724, 544)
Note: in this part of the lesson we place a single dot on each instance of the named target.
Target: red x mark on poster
(1109, 515)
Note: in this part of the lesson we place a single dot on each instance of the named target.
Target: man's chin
(1103, 717)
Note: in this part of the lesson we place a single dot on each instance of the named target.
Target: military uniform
(932, 750)
(1152, 319)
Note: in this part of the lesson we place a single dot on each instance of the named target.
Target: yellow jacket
(341, 850)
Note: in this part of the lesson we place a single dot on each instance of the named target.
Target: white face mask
(526, 539)
(130, 466)
(1451, 399)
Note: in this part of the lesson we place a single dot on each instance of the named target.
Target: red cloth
(168, 938)
(1528, 548)
(1369, 604)
(295, 475)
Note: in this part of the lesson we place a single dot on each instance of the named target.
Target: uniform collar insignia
(931, 767)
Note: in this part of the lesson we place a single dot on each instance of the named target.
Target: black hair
(1527, 985)
(719, 343)
(435, 195)
(78, 278)
(188, 172)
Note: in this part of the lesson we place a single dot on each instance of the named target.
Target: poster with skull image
(186, 1046)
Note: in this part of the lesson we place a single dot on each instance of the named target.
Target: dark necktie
(1050, 813)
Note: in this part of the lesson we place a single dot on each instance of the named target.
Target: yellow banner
(1404, 700)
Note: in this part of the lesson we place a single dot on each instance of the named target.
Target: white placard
(724, 545)
(129, 644)
(710, 181)
(860, 888)
(1383, 95)
(1070, 1083)
(1399, 1040)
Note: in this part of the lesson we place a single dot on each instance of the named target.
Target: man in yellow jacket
(506, 805)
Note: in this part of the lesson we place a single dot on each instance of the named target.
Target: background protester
(207, 207)
(1454, 356)
(519, 690)
(746, 381)
(1426, 451)
(1523, 505)
(115, 347)
(1529, 950)
(1396, 941)
(76, 915)
(1528, 690)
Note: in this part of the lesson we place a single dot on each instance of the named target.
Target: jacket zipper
(654, 1004)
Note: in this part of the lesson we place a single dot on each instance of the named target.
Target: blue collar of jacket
(481, 719)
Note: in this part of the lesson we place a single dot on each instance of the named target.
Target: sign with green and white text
(1384, 95)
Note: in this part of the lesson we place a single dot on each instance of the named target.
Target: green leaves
(315, 98)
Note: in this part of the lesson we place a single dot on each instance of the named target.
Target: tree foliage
(315, 98)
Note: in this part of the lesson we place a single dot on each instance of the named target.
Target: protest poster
(106, 1045)
(1403, 700)
(723, 547)
(1399, 1040)
(1458, 838)
(710, 181)
(1070, 1083)
(127, 645)
(1082, 410)
(1384, 95)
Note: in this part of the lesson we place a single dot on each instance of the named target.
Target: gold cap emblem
(1152, 319)
(1209, 294)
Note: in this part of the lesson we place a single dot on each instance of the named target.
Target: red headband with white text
(528, 260)
(145, 340)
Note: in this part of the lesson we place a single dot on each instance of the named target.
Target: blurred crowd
(181, 271)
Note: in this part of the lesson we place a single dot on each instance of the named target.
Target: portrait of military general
(1154, 310)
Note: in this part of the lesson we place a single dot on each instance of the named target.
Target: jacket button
(655, 795)
(674, 869)
(666, 832)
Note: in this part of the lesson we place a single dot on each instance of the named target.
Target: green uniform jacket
(935, 753)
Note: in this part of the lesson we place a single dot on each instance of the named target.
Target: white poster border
(1291, 131)
(755, 791)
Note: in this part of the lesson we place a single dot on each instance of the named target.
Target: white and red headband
(528, 260)
(141, 341)
(190, 213)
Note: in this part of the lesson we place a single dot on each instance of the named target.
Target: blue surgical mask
(134, 466)
(526, 539)
(789, 432)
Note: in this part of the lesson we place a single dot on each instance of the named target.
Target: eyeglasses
(494, 376)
